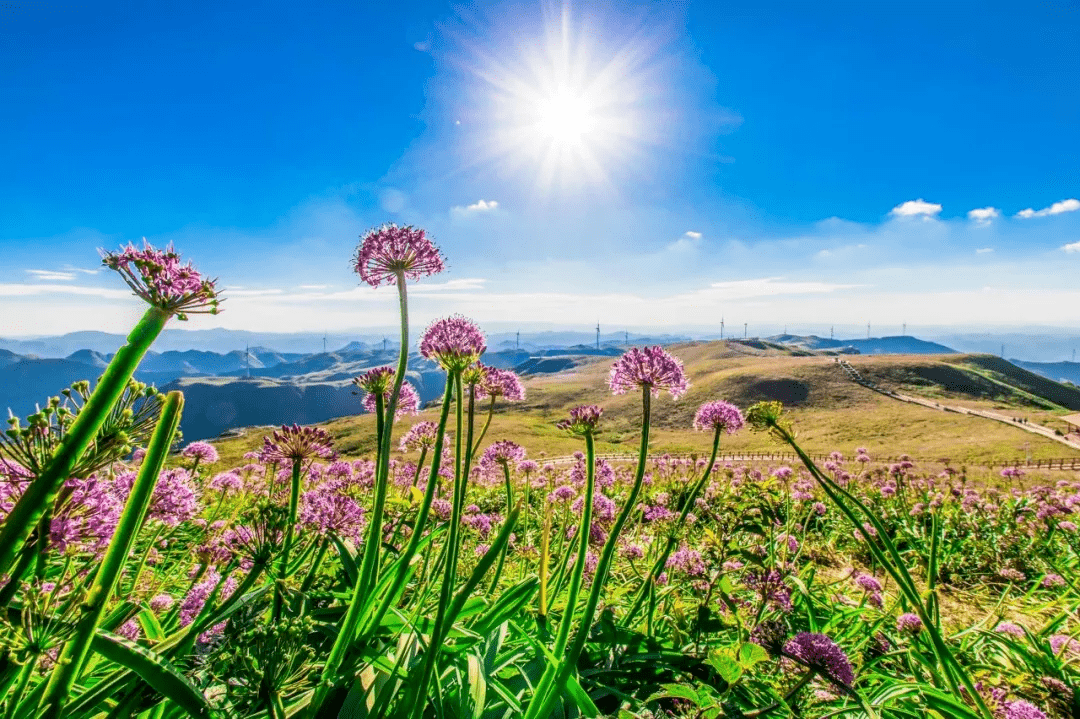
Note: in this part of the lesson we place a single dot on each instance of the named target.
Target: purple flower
(453, 342)
(909, 623)
(162, 602)
(722, 416)
(819, 652)
(408, 400)
(1013, 575)
(583, 420)
(651, 368)
(158, 278)
(1020, 709)
(202, 452)
(501, 454)
(227, 482)
(420, 436)
(324, 511)
(196, 598)
(297, 443)
(562, 494)
(868, 583)
(495, 382)
(1066, 526)
(390, 252)
(1058, 642)
(1010, 629)
(1052, 580)
(528, 466)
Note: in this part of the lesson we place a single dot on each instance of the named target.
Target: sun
(569, 108)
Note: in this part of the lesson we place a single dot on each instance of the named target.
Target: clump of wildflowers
(651, 368)
(501, 454)
(296, 443)
(453, 343)
(388, 253)
(909, 623)
(158, 277)
(819, 652)
(495, 382)
(722, 416)
(380, 381)
(201, 452)
(420, 436)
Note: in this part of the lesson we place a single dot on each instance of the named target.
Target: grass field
(830, 411)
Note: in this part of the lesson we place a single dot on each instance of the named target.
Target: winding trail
(854, 376)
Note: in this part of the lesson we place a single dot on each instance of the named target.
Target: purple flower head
(651, 368)
(770, 634)
(158, 277)
(175, 498)
(453, 343)
(501, 454)
(1058, 642)
(495, 382)
(1052, 580)
(1020, 709)
(296, 443)
(229, 481)
(390, 252)
(420, 436)
(909, 623)
(528, 466)
(722, 416)
(203, 452)
(378, 380)
(583, 420)
(819, 652)
(408, 400)
(1011, 629)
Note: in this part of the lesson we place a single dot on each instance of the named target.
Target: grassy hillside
(830, 411)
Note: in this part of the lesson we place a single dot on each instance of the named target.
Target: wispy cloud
(25, 290)
(238, 292)
(1058, 208)
(51, 275)
(984, 250)
(1072, 247)
(478, 207)
(984, 215)
(312, 287)
(916, 208)
(692, 235)
(771, 287)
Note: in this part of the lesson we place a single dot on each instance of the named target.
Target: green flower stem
(290, 531)
(896, 569)
(509, 508)
(137, 574)
(25, 675)
(545, 557)
(324, 544)
(41, 492)
(347, 630)
(661, 561)
(584, 527)
(548, 691)
(75, 651)
(419, 466)
(450, 570)
(369, 570)
(487, 423)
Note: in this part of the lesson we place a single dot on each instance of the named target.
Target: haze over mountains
(277, 383)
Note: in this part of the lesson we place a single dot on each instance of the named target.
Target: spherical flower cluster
(420, 436)
(408, 400)
(1059, 642)
(1052, 580)
(175, 498)
(325, 511)
(583, 420)
(501, 454)
(495, 382)
(1020, 709)
(296, 444)
(453, 343)
(909, 623)
(377, 380)
(718, 416)
(651, 368)
(201, 452)
(388, 253)
(1011, 629)
(158, 278)
(819, 652)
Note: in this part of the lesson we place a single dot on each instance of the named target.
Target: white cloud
(984, 250)
(51, 275)
(22, 290)
(914, 208)
(1071, 247)
(689, 241)
(984, 215)
(770, 287)
(237, 292)
(312, 287)
(1058, 208)
(692, 235)
(478, 207)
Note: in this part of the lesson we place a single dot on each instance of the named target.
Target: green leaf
(751, 654)
(507, 605)
(151, 626)
(477, 685)
(675, 691)
(348, 558)
(154, 669)
(726, 666)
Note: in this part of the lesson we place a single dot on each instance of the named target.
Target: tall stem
(661, 561)
(509, 508)
(283, 561)
(42, 491)
(487, 423)
(74, 654)
(548, 691)
(584, 529)
(450, 570)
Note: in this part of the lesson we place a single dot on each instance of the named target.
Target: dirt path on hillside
(1038, 429)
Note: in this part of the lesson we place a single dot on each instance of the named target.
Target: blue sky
(640, 164)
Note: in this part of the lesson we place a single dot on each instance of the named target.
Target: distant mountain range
(1057, 371)
(268, 386)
